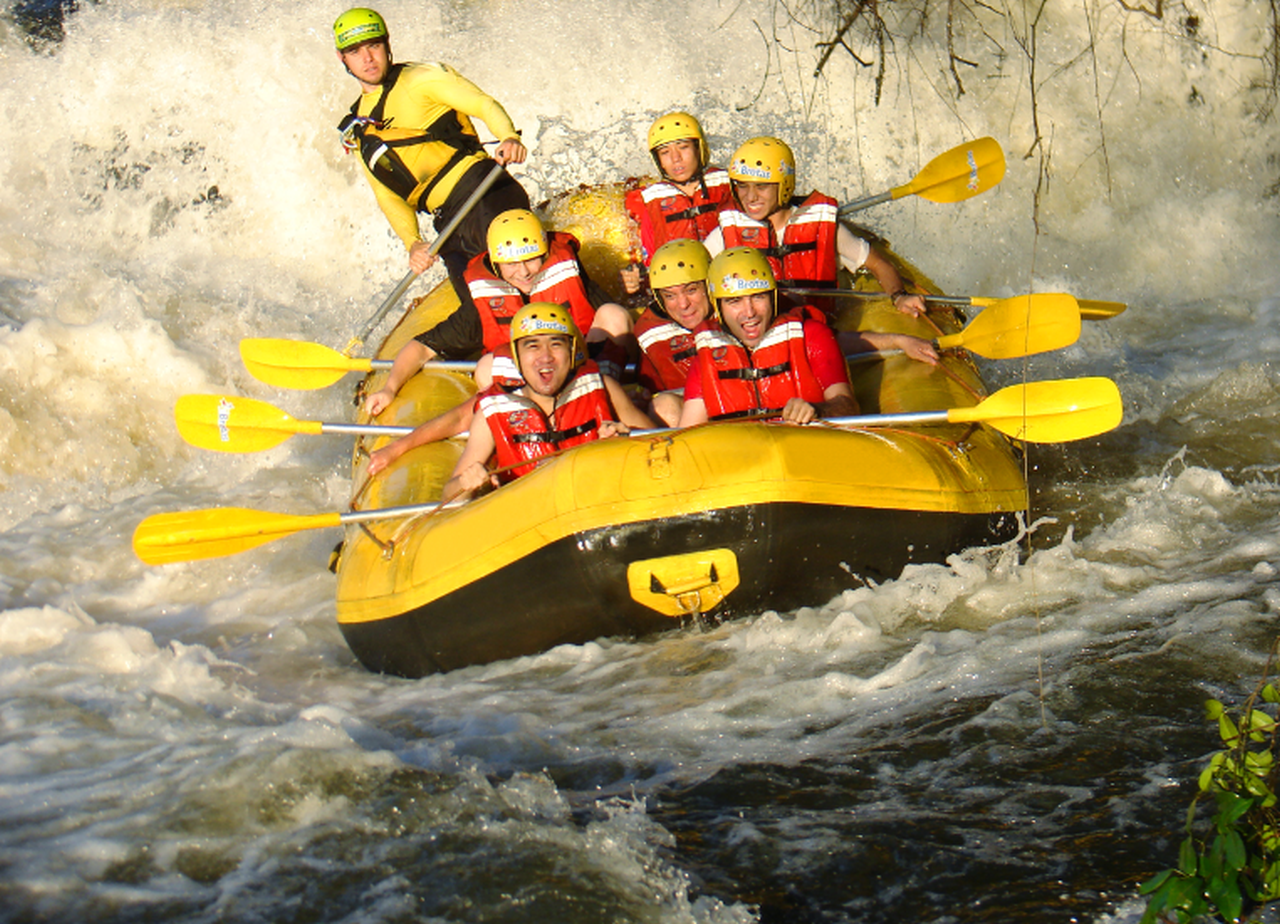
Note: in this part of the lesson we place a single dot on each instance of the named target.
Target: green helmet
(356, 26)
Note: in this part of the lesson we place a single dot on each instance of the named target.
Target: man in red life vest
(803, 238)
(522, 263)
(678, 275)
(684, 203)
(564, 402)
(755, 360)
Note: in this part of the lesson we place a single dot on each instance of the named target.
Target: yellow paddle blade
(297, 363)
(1021, 326)
(1092, 310)
(227, 424)
(1056, 411)
(958, 174)
(194, 534)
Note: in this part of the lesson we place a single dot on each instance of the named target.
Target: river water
(994, 739)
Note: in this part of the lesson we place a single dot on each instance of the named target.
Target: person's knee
(667, 406)
(613, 319)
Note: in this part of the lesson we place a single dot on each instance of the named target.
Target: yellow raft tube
(632, 536)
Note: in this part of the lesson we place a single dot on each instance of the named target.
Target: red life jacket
(807, 255)
(667, 352)
(521, 431)
(504, 370)
(559, 281)
(736, 380)
(664, 213)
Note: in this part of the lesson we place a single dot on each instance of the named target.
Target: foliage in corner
(1233, 866)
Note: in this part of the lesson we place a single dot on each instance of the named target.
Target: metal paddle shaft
(1090, 309)
(953, 176)
(476, 195)
(1056, 411)
(376, 318)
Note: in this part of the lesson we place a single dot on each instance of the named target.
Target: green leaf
(1187, 857)
(1269, 694)
(1230, 808)
(1187, 894)
(1255, 785)
(1271, 880)
(1269, 838)
(1156, 904)
(1227, 729)
(1155, 882)
(1257, 725)
(1191, 815)
(1213, 864)
(1212, 710)
(1258, 762)
(1208, 773)
(1236, 855)
(1226, 895)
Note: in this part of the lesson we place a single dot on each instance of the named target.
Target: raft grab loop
(682, 585)
(660, 457)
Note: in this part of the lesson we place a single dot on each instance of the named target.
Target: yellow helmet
(766, 160)
(677, 126)
(356, 26)
(677, 262)
(739, 271)
(545, 318)
(516, 235)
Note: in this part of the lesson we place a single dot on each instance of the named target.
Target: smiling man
(563, 402)
(522, 263)
(678, 274)
(802, 237)
(754, 362)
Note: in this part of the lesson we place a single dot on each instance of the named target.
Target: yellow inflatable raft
(632, 536)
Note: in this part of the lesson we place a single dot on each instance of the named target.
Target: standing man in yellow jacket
(412, 128)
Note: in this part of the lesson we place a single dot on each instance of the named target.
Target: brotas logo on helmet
(740, 285)
(533, 326)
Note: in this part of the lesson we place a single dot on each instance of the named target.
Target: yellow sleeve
(454, 91)
(400, 214)
(423, 93)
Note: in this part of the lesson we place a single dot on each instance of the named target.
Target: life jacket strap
(555, 436)
(692, 211)
(752, 375)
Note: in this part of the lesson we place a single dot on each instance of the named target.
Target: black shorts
(460, 335)
(470, 237)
